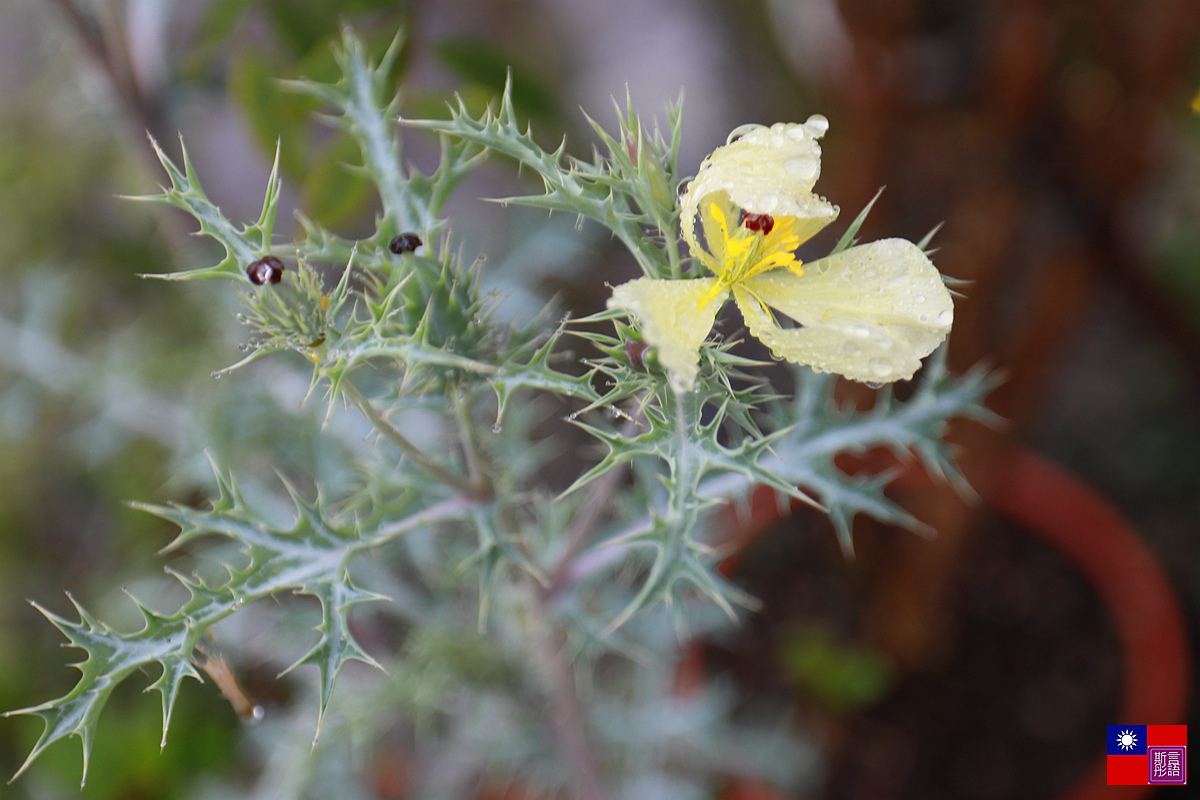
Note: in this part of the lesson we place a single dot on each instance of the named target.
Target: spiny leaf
(111, 657)
(590, 190)
(241, 247)
(679, 562)
(309, 557)
(821, 431)
(337, 644)
(849, 239)
(367, 104)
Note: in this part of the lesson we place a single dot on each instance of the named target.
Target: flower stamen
(760, 243)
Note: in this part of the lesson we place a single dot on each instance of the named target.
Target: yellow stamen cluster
(750, 252)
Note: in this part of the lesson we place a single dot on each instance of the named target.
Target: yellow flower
(871, 312)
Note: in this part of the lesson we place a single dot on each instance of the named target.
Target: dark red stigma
(759, 222)
(265, 270)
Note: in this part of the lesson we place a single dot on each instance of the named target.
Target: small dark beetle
(265, 270)
(404, 243)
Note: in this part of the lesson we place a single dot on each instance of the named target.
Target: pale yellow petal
(671, 321)
(870, 313)
(765, 171)
(716, 215)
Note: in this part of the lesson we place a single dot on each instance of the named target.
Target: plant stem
(406, 447)
(567, 721)
(584, 522)
(113, 58)
(598, 497)
(445, 510)
(466, 430)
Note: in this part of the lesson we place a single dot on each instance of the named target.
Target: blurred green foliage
(839, 676)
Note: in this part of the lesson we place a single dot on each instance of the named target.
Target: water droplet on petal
(919, 298)
(945, 317)
(767, 203)
(496, 428)
(817, 124)
(850, 348)
(874, 385)
(880, 366)
(741, 131)
(801, 166)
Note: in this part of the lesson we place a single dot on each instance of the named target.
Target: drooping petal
(870, 313)
(672, 320)
(765, 171)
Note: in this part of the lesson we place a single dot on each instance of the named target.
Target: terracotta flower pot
(1051, 503)
(1092, 534)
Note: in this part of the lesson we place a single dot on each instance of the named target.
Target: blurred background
(1051, 139)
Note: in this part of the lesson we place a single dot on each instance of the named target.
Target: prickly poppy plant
(502, 584)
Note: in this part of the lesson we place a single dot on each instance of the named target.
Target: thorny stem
(114, 61)
(147, 112)
(598, 497)
(567, 721)
(470, 444)
(409, 449)
(447, 509)
(672, 245)
(597, 500)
